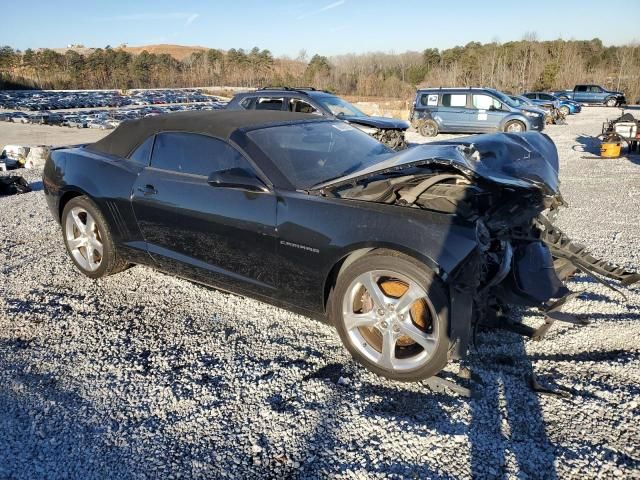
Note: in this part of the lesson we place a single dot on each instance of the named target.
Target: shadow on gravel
(620, 356)
(507, 423)
(34, 407)
(587, 144)
(327, 454)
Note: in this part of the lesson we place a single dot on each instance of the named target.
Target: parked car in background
(389, 131)
(472, 110)
(41, 100)
(76, 122)
(592, 94)
(551, 114)
(19, 117)
(566, 107)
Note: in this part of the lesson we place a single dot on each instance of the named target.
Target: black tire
(415, 271)
(512, 125)
(611, 102)
(110, 262)
(428, 128)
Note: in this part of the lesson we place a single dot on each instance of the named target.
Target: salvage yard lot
(143, 375)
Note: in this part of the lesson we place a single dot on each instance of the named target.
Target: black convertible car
(405, 253)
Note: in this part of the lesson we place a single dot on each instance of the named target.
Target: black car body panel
(280, 244)
(470, 210)
(518, 160)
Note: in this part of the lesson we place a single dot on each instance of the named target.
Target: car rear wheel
(514, 126)
(564, 110)
(611, 102)
(88, 239)
(392, 315)
(428, 128)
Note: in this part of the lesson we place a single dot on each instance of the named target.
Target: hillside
(179, 52)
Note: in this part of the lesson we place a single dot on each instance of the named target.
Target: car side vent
(118, 220)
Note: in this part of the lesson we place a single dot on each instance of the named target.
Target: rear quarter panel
(105, 179)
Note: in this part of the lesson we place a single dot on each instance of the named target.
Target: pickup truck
(592, 94)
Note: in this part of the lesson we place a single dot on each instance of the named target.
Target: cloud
(191, 18)
(323, 9)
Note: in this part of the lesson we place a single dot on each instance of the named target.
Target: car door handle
(148, 190)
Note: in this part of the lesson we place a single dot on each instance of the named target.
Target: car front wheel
(392, 315)
(88, 239)
(611, 102)
(564, 110)
(514, 126)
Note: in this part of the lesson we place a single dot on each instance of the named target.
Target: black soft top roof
(217, 123)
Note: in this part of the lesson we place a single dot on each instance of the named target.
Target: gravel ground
(142, 375)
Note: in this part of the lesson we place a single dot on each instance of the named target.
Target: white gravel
(143, 375)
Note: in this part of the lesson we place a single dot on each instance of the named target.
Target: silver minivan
(471, 110)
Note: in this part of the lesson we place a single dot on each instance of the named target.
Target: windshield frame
(504, 98)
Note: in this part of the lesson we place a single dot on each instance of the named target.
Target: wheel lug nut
(380, 312)
(384, 324)
(396, 328)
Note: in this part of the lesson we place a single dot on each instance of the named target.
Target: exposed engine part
(392, 138)
(408, 197)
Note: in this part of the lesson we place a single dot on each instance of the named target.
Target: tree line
(516, 66)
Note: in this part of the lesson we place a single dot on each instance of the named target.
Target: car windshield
(338, 106)
(312, 153)
(524, 100)
(505, 99)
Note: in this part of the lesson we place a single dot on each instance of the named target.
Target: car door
(581, 94)
(213, 234)
(596, 94)
(485, 114)
(452, 112)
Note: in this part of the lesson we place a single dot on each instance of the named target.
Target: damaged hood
(384, 123)
(522, 160)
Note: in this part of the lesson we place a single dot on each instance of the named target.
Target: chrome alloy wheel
(515, 127)
(83, 239)
(390, 320)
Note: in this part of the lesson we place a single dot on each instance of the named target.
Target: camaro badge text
(301, 247)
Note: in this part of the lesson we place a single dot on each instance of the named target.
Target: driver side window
(196, 154)
(300, 106)
(142, 154)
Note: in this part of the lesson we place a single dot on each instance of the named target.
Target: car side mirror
(236, 178)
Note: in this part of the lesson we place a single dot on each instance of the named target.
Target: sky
(327, 27)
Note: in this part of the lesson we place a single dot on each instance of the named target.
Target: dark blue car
(593, 95)
(389, 131)
(566, 106)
